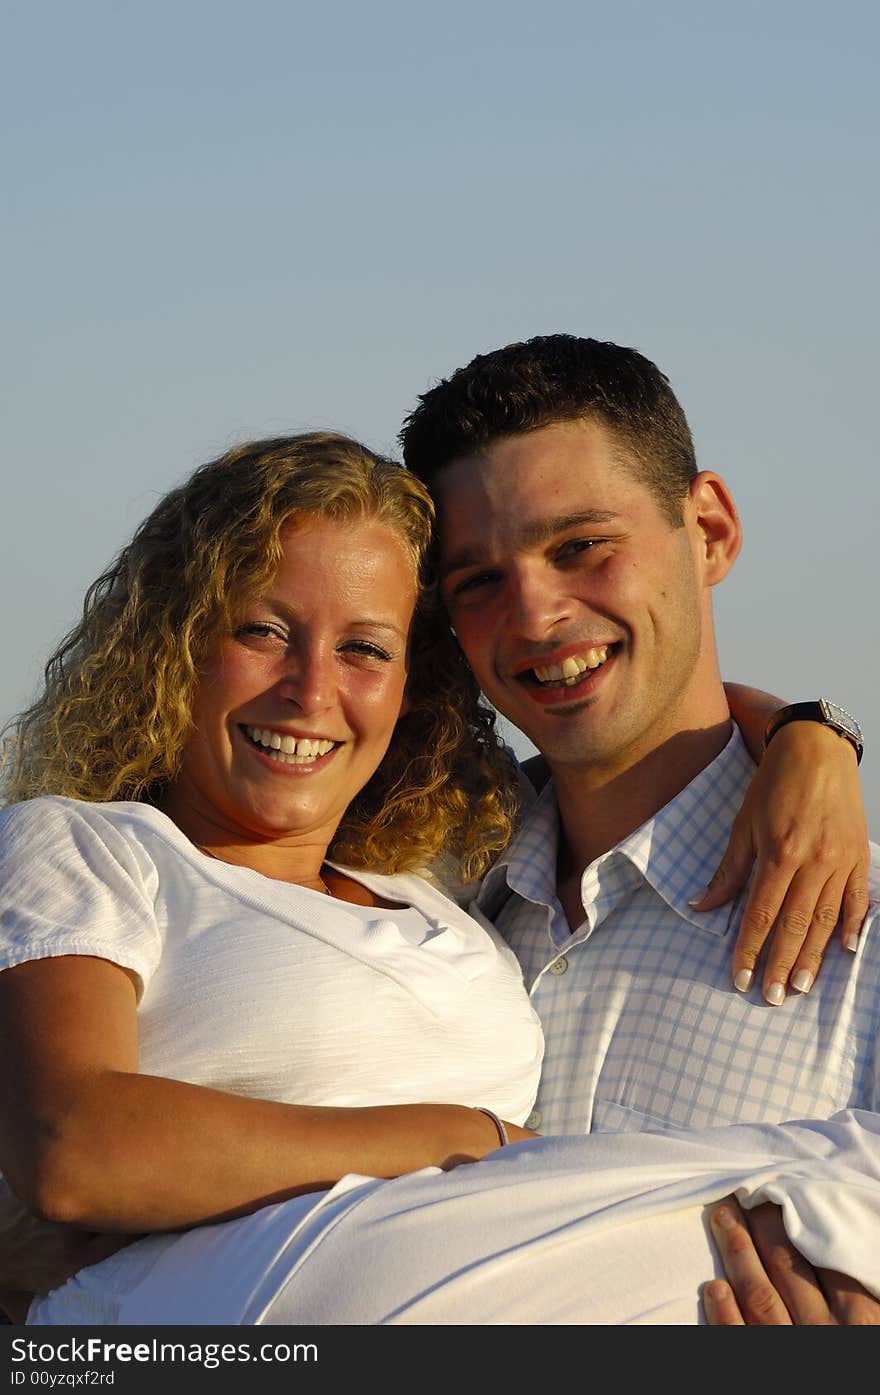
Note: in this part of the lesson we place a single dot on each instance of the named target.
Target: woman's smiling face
(297, 707)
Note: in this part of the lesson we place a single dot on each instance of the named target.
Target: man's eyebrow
(531, 534)
(542, 529)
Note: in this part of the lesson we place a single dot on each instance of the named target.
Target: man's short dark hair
(557, 378)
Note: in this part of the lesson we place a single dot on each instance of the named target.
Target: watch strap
(822, 710)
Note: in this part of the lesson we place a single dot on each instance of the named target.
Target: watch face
(841, 718)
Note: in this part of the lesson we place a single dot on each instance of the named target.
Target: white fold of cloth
(601, 1229)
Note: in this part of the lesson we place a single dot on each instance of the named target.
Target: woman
(250, 747)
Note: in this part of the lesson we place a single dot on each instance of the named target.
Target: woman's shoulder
(44, 818)
(54, 827)
(55, 811)
(75, 880)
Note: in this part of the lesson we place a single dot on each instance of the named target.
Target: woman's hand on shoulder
(803, 828)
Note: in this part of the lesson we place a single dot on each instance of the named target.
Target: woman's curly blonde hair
(115, 711)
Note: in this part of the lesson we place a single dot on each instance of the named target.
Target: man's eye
(473, 583)
(576, 546)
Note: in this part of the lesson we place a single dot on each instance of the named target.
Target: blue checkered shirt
(641, 1020)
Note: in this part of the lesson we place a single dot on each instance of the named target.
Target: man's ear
(717, 530)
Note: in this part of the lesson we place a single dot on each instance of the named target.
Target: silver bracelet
(499, 1123)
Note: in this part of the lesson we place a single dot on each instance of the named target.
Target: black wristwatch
(824, 711)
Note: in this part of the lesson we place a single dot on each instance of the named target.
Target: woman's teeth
(570, 670)
(290, 750)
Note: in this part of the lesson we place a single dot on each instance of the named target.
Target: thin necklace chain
(208, 853)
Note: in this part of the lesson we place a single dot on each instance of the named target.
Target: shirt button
(559, 966)
(533, 1120)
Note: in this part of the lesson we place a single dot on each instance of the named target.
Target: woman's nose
(309, 679)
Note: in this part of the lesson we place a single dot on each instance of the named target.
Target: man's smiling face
(580, 605)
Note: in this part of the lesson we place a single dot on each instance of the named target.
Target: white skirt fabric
(603, 1229)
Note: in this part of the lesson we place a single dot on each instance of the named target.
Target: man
(579, 546)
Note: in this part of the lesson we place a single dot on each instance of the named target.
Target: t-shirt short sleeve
(72, 883)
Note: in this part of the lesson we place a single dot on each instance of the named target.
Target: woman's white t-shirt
(265, 988)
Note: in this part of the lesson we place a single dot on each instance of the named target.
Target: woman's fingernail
(695, 900)
(743, 980)
(775, 994)
(802, 981)
(723, 1217)
(851, 942)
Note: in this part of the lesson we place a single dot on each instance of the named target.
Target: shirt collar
(676, 851)
(679, 849)
(528, 863)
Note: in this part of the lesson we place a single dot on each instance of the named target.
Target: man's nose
(536, 602)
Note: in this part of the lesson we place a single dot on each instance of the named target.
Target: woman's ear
(717, 530)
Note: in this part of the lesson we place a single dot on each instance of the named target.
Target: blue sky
(225, 221)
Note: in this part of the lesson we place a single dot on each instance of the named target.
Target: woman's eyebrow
(286, 610)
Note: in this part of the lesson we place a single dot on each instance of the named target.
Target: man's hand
(771, 1284)
(803, 825)
(37, 1256)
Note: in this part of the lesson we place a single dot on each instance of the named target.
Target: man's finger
(790, 1275)
(851, 1304)
(757, 1299)
(720, 1305)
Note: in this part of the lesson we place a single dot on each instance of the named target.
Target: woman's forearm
(751, 709)
(141, 1153)
(86, 1139)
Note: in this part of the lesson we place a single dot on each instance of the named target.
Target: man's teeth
(291, 750)
(570, 670)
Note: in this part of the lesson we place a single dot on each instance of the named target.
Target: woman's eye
(259, 629)
(367, 649)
